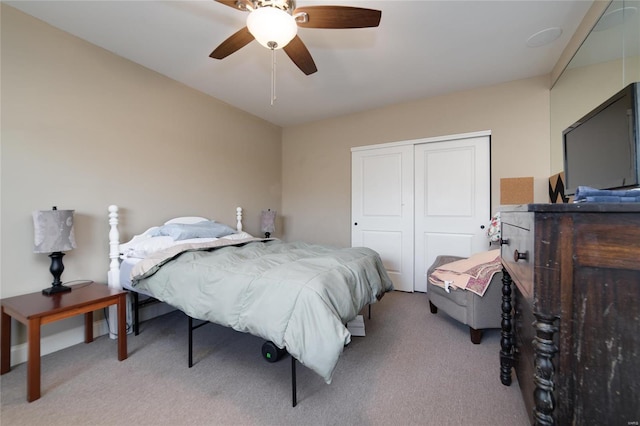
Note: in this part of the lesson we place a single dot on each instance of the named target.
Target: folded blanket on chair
(473, 274)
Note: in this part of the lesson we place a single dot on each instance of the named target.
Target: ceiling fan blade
(237, 41)
(299, 54)
(339, 17)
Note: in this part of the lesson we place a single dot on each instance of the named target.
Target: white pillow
(143, 247)
(184, 231)
(186, 220)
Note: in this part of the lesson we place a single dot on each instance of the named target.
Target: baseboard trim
(58, 341)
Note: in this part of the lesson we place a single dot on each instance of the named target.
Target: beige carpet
(411, 368)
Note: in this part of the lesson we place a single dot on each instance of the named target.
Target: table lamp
(268, 222)
(53, 231)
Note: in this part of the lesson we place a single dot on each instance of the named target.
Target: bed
(298, 296)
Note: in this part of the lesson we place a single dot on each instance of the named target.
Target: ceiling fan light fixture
(272, 27)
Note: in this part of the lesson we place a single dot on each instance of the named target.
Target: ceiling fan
(274, 23)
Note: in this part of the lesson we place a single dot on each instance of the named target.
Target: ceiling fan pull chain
(273, 75)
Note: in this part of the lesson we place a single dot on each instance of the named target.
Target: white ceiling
(421, 49)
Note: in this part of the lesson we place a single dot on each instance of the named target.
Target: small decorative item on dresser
(54, 234)
(268, 222)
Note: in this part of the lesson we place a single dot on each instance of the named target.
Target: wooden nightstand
(36, 309)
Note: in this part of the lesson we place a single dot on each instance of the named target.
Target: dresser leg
(506, 340)
(544, 349)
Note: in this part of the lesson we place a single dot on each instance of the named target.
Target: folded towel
(585, 194)
(610, 199)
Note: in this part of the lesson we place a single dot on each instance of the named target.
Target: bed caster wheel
(271, 352)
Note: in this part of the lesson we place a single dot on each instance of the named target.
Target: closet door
(452, 200)
(382, 208)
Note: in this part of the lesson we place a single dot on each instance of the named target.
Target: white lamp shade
(272, 25)
(268, 221)
(53, 231)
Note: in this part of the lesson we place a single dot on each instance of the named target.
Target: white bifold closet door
(415, 200)
(452, 201)
(382, 208)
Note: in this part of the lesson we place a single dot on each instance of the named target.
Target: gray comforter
(297, 295)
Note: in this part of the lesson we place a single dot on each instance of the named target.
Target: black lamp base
(56, 270)
(55, 289)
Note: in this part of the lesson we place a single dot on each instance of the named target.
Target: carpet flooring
(411, 368)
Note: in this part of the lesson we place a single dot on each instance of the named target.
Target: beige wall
(316, 163)
(83, 129)
(578, 91)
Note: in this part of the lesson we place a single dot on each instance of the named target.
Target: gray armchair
(465, 306)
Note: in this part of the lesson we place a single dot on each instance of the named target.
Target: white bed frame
(113, 275)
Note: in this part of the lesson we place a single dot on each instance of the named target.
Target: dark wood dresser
(571, 322)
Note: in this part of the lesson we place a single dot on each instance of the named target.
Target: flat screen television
(601, 149)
